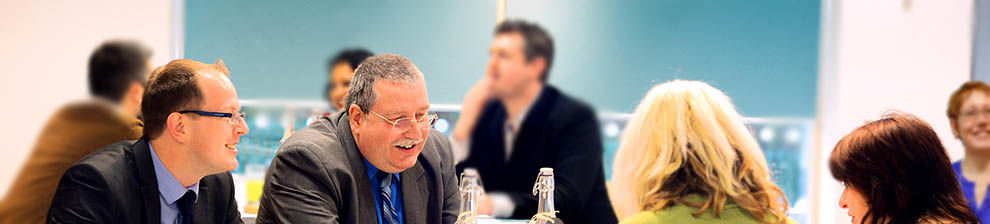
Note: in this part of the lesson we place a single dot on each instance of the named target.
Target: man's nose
(414, 132)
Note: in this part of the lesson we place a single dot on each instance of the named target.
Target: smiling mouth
(405, 147)
(231, 146)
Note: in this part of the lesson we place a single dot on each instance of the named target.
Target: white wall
(879, 55)
(46, 45)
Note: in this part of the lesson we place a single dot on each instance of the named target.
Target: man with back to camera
(178, 172)
(512, 123)
(118, 71)
(377, 161)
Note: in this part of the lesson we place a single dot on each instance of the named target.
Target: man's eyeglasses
(970, 114)
(232, 120)
(404, 124)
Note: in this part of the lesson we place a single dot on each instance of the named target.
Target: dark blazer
(557, 132)
(318, 176)
(117, 184)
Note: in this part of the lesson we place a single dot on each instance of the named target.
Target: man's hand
(485, 205)
(474, 100)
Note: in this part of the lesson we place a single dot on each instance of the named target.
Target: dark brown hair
(114, 65)
(901, 168)
(173, 88)
(353, 57)
(538, 42)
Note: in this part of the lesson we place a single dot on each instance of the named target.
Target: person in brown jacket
(118, 71)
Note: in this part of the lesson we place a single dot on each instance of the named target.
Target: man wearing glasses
(178, 172)
(376, 161)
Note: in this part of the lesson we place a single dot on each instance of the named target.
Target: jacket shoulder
(437, 149)
(113, 160)
(317, 139)
(566, 104)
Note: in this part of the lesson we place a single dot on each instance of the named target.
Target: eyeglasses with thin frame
(404, 124)
(974, 113)
(232, 121)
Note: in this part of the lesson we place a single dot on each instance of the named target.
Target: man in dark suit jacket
(512, 124)
(178, 171)
(335, 170)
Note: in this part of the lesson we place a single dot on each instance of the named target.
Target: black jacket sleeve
(82, 196)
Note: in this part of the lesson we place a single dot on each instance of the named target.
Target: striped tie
(384, 189)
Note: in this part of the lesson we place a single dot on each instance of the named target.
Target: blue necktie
(385, 191)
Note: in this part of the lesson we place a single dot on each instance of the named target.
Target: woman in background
(340, 70)
(895, 170)
(687, 157)
(969, 115)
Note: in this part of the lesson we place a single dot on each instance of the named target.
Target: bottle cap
(470, 172)
(546, 170)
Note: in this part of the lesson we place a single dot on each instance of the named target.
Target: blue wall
(762, 53)
(981, 42)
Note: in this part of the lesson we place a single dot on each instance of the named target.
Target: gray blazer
(318, 176)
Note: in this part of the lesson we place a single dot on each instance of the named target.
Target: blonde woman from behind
(687, 157)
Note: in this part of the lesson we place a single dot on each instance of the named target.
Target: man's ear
(176, 127)
(135, 92)
(355, 117)
(955, 128)
(538, 64)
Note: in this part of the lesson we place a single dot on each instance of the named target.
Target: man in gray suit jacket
(377, 161)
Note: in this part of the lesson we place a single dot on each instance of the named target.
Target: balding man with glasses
(376, 161)
(178, 172)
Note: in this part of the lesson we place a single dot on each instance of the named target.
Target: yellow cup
(254, 188)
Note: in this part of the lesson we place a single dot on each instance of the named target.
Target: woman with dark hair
(340, 70)
(895, 170)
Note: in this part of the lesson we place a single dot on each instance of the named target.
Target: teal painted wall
(762, 53)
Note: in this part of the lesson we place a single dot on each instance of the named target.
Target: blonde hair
(686, 137)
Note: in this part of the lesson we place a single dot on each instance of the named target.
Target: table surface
(249, 219)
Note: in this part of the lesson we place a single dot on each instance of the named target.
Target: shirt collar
(514, 125)
(170, 188)
(372, 170)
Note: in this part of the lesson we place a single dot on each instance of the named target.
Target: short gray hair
(389, 67)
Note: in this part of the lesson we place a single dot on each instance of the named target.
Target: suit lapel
(498, 135)
(148, 182)
(415, 194)
(366, 207)
(533, 126)
(204, 204)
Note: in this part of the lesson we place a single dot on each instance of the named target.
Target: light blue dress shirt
(170, 191)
